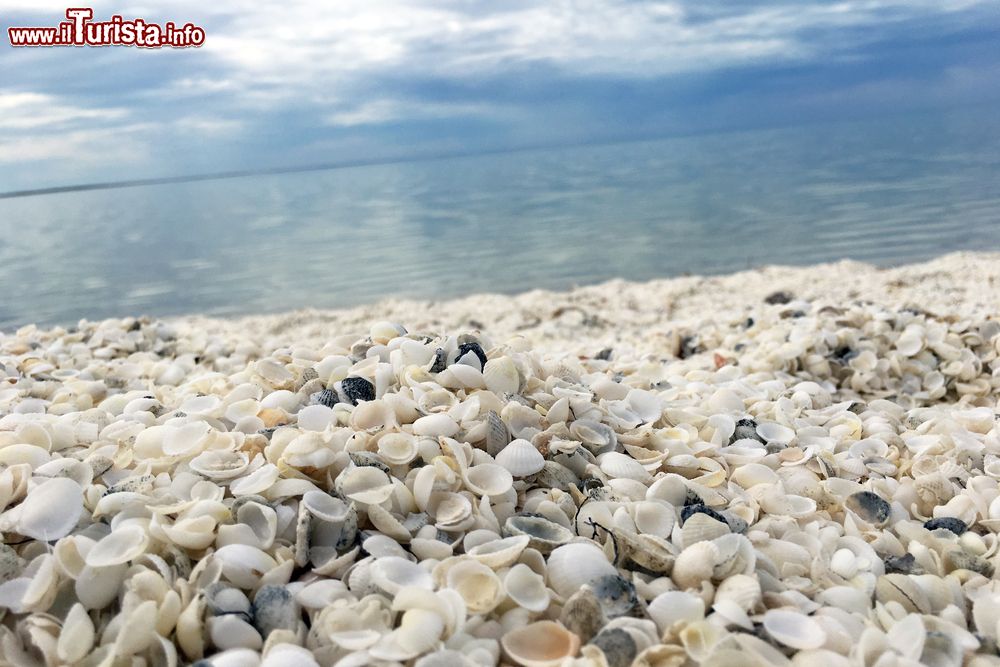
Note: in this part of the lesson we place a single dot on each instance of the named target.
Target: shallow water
(889, 192)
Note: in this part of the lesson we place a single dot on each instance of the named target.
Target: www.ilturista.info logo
(80, 30)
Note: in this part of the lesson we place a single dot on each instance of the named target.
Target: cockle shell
(526, 588)
(50, 510)
(571, 566)
(521, 458)
(794, 629)
(540, 644)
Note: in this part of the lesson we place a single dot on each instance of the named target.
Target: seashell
(695, 564)
(76, 638)
(598, 438)
(244, 565)
(357, 389)
(436, 425)
(904, 590)
(50, 510)
(793, 629)
(617, 465)
(540, 644)
(701, 527)
(274, 608)
(118, 547)
(653, 517)
(776, 501)
(373, 416)
(392, 573)
(742, 590)
(582, 614)
(618, 647)
(479, 586)
(315, 418)
(501, 376)
(543, 535)
(526, 588)
(232, 632)
(521, 459)
(675, 608)
(469, 353)
(616, 595)
(573, 565)
(488, 479)
(451, 511)
(366, 484)
(397, 448)
(771, 432)
(499, 553)
(497, 434)
(948, 523)
(869, 506)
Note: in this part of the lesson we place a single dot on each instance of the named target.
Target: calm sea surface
(887, 192)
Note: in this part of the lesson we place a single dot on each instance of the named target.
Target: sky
(280, 85)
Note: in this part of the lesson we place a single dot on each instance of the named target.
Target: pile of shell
(400, 498)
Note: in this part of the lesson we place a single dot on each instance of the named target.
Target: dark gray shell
(869, 506)
(476, 349)
(357, 389)
(616, 594)
(618, 647)
(956, 526)
(274, 608)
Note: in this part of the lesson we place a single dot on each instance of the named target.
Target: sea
(887, 191)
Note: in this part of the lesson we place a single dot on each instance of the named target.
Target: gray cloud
(361, 78)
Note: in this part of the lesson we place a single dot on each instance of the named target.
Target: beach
(784, 465)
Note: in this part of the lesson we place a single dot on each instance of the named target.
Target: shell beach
(784, 466)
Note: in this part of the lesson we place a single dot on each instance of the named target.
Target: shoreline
(620, 311)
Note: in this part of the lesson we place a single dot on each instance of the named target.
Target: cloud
(286, 81)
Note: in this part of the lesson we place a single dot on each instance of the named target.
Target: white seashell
(230, 631)
(365, 484)
(393, 573)
(120, 546)
(772, 432)
(571, 566)
(540, 644)
(501, 376)
(450, 510)
(701, 527)
(500, 553)
(325, 507)
(740, 589)
(654, 517)
(77, 636)
(256, 482)
(479, 586)
(397, 448)
(695, 565)
(220, 465)
(435, 425)
(244, 565)
(794, 629)
(187, 440)
(617, 465)
(372, 416)
(488, 479)
(526, 588)
(775, 501)
(521, 458)
(315, 418)
(647, 405)
(50, 510)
